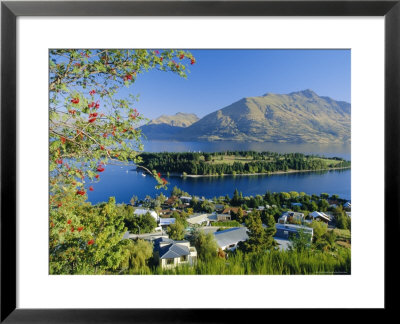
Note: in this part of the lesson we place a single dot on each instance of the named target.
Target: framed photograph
(158, 156)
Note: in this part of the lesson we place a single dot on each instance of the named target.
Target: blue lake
(122, 182)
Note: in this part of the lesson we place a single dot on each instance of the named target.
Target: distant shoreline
(174, 174)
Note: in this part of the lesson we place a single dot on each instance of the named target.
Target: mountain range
(297, 117)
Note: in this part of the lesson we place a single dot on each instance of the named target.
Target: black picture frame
(10, 10)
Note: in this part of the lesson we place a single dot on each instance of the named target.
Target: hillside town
(225, 220)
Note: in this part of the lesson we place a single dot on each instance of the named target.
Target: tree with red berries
(91, 124)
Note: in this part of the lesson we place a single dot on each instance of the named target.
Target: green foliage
(86, 239)
(140, 252)
(323, 205)
(176, 231)
(139, 224)
(301, 242)
(227, 224)
(260, 239)
(238, 162)
(342, 220)
(178, 192)
(237, 198)
(270, 222)
(324, 239)
(181, 218)
(320, 229)
(206, 245)
(330, 239)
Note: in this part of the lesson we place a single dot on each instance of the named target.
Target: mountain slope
(296, 117)
(166, 127)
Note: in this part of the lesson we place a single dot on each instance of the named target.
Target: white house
(170, 254)
(141, 211)
(315, 215)
(290, 216)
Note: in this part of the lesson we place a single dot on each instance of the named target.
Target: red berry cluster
(128, 77)
(75, 100)
(135, 114)
(92, 117)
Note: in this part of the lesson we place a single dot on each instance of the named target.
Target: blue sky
(221, 77)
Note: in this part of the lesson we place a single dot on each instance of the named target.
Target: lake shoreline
(174, 174)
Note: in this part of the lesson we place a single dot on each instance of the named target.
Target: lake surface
(123, 182)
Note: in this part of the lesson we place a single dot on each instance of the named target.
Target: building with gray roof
(285, 231)
(230, 238)
(170, 253)
(166, 221)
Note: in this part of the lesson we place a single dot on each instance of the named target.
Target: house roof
(316, 214)
(167, 221)
(198, 218)
(162, 239)
(186, 197)
(171, 200)
(294, 228)
(172, 249)
(231, 236)
(141, 211)
(222, 216)
(292, 214)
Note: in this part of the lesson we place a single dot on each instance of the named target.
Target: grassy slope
(230, 159)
